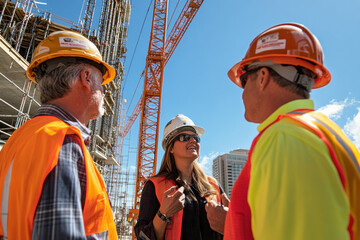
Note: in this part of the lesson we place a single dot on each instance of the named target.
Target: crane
(186, 16)
(159, 53)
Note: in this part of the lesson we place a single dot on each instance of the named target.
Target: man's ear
(85, 78)
(264, 78)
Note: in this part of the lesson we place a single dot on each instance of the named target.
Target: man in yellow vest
(301, 180)
(50, 187)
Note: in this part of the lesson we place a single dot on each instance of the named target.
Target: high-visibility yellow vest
(345, 157)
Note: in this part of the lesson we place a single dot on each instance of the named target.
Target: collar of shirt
(56, 111)
(286, 108)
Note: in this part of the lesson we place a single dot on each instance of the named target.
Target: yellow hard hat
(71, 45)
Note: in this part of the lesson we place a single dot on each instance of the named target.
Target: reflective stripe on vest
(339, 139)
(346, 160)
(39, 141)
(5, 200)
(173, 229)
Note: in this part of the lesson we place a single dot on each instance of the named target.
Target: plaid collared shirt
(59, 211)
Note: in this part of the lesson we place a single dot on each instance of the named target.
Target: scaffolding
(22, 26)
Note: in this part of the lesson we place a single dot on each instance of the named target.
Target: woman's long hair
(170, 172)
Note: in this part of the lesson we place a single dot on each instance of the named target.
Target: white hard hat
(176, 125)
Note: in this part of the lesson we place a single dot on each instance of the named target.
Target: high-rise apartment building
(227, 167)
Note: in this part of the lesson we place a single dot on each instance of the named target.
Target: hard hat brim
(323, 75)
(199, 131)
(108, 76)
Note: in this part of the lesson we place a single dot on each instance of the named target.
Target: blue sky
(195, 79)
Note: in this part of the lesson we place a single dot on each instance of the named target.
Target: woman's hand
(173, 201)
(216, 213)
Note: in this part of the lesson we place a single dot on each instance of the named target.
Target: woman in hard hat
(173, 202)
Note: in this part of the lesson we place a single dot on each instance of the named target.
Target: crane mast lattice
(149, 123)
(159, 53)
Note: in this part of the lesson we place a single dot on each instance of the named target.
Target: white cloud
(206, 162)
(132, 168)
(352, 128)
(334, 109)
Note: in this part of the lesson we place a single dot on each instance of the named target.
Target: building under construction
(22, 26)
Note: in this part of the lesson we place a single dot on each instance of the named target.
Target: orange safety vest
(345, 157)
(27, 158)
(173, 228)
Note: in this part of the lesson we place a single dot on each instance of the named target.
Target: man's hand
(173, 201)
(216, 213)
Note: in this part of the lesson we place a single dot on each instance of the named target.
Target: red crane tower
(159, 53)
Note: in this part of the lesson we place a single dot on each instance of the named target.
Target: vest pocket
(95, 215)
(99, 213)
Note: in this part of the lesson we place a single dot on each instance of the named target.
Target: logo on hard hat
(270, 42)
(73, 42)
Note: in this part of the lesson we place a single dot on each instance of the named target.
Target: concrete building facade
(227, 167)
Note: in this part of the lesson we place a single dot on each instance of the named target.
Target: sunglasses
(186, 137)
(244, 77)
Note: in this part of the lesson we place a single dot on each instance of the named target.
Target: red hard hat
(290, 44)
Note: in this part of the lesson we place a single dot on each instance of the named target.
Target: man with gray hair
(50, 187)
